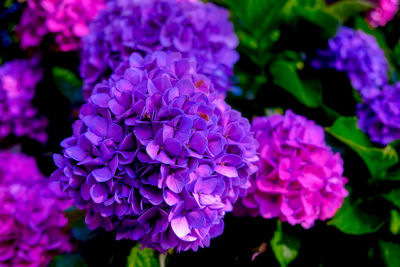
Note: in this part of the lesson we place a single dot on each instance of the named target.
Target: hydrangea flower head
(379, 117)
(384, 12)
(299, 179)
(18, 80)
(359, 55)
(31, 214)
(156, 156)
(65, 19)
(195, 29)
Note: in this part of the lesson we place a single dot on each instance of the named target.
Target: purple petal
(175, 183)
(102, 175)
(180, 226)
(99, 193)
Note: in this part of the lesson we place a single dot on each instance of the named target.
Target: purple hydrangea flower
(65, 19)
(359, 55)
(379, 117)
(31, 214)
(193, 28)
(299, 179)
(384, 12)
(156, 156)
(18, 80)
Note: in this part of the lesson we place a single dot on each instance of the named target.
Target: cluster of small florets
(66, 20)
(359, 55)
(156, 156)
(31, 214)
(193, 28)
(384, 12)
(379, 117)
(300, 179)
(18, 80)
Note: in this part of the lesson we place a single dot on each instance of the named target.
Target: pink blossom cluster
(31, 216)
(383, 13)
(18, 80)
(299, 179)
(65, 19)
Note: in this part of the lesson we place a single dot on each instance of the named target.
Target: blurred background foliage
(277, 41)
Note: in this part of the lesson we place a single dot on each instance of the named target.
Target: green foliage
(378, 160)
(256, 22)
(346, 9)
(394, 197)
(285, 75)
(142, 258)
(68, 260)
(68, 84)
(390, 253)
(394, 222)
(81, 232)
(284, 246)
(352, 220)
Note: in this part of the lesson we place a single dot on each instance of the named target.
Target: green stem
(161, 259)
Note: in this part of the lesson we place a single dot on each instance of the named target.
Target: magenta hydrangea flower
(156, 156)
(384, 12)
(31, 214)
(359, 55)
(379, 117)
(299, 179)
(193, 28)
(18, 79)
(66, 20)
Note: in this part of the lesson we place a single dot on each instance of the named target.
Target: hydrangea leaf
(81, 232)
(256, 23)
(285, 75)
(390, 253)
(142, 257)
(394, 197)
(68, 260)
(284, 246)
(394, 222)
(352, 220)
(344, 10)
(68, 84)
(378, 160)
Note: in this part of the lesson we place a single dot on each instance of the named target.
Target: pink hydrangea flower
(383, 13)
(18, 79)
(65, 19)
(299, 179)
(31, 216)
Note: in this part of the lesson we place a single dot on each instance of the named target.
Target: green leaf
(394, 222)
(81, 232)
(394, 197)
(68, 84)
(378, 160)
(351, 220)
(284, 246)
(142, 258)
(285, 75)
(346, 9)
(68, 260)
(314, 12)
(390, 253)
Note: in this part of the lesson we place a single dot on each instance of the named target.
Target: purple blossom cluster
(31, 214)
(379, 117)
(300, 179)
(384, 12)
(18, 79)
(193, 28)
(359, 55)
(156, 155)
(65, 19)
